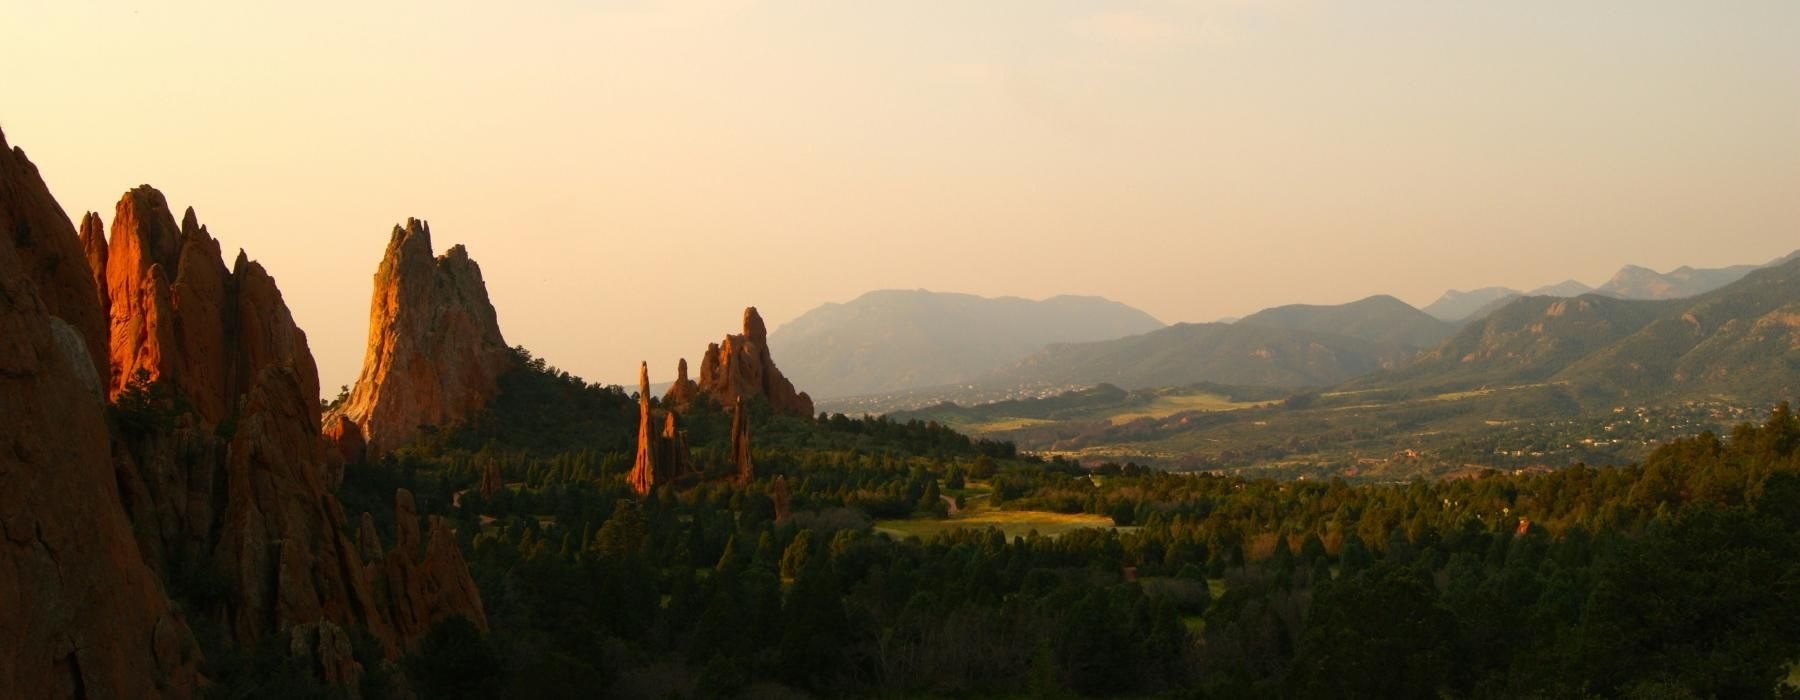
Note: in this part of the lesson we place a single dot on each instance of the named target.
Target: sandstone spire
(662, 454)
(435, 353)
(643, 468)
(681, 394)
(740, 367)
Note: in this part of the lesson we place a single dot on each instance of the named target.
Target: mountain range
(894, 340)
(1738, 342)
(1630, 282)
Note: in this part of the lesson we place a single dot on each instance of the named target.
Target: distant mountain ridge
(1630, 282)
(1191, 353)
(1740, 341)
(898, 340)
(1377, 319)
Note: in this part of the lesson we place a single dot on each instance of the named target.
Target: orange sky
(631, 174)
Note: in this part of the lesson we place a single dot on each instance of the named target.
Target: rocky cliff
(740, 367)
(435, 351)
(217, 465)
(83, 615)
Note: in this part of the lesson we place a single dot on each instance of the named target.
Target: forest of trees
(1673, 578)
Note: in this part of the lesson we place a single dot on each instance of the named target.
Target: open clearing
(1000, 424)
(1015, 523)
(1166, 405)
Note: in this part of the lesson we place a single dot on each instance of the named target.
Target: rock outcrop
(743, 472)
(662, 453)
(435, 352)
(83, 615)
(346, 438)
(428, 586)
(684, 390)
(740, 367)
(217, 464)
(244, 479)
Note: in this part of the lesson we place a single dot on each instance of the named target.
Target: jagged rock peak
(84, 614)
(49, 251)
(754, 328)
(435, 352)
(740, 367)
(177, 313)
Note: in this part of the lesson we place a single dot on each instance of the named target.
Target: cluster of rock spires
(435, 353)
(733, 372)
(740, 368)
(662, 453)
(235, 472)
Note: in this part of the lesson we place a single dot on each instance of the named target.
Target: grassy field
(1015, 523)
(1000, 424)
(1168, 404)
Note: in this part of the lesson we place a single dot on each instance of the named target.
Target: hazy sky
(631, 174)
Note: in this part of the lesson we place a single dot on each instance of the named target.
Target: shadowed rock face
(82, 614)
(740, 368)
(435, 351)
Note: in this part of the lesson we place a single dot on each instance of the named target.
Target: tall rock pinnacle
(662, 454)
(435, 352)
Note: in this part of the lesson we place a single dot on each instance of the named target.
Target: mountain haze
(1191, 353)
(1634, 282)
(1377, 319)
(1456, 305)
(894, 340)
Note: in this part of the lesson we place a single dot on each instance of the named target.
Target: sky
(631, 174)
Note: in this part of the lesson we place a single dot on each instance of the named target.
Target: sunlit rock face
(662, 452)
(740, 368)
(435, 352)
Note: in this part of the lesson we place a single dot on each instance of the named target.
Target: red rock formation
(682, 393)
(435, 351)
(171, 301)
(743, 471)
(83, 615)
(422, 590)
(244, 481)
(93, 245)
(662, 455)
(47, 247)
(740, 367)
(345, 438)
(219, 464)
(327, 647)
